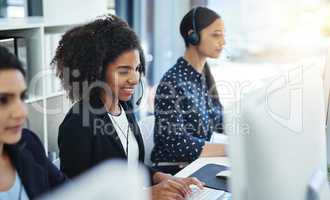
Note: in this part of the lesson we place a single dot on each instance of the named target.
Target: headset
(193, 37)
(138, 102)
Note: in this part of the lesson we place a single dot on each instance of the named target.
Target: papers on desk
(218, 138)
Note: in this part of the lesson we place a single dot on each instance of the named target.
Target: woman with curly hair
(100, 64)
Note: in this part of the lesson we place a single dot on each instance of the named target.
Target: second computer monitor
(277, 139)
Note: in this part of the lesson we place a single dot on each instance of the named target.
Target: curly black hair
(85, 51)
(9, 61)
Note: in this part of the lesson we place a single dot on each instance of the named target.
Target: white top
(121, 125)
(16, 191)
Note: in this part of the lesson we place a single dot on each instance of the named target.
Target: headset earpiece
(193, 37)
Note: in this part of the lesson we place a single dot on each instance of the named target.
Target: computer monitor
(277, 141)
(326, 84)
(110, 180)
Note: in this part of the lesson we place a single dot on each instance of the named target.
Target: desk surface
(200, 162)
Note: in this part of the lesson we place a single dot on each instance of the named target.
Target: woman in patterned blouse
(187, 106)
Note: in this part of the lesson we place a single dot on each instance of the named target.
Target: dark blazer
(87, 137)
(37, 173)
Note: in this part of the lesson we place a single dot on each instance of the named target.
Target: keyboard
(207, 194)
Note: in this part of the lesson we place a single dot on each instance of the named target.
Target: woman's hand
(169, 190)
(213, 150)
(160, 176)
(170, 187)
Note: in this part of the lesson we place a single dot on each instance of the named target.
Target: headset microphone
(138, 102)
(227, 55)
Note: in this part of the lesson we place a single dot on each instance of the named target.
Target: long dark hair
(9, 61)
(203, 18)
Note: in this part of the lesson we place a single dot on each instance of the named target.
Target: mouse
(224, 174)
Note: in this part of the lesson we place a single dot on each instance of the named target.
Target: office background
(262, 37)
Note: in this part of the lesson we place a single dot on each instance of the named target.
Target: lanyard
(122, 132)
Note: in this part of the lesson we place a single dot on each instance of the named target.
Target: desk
(200, 162)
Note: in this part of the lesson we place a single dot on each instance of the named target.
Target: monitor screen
(327, 85)
(277, 142)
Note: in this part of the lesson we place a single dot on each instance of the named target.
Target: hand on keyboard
(174, 188)
(206, 193)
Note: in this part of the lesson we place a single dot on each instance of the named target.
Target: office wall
(273, 30)
(55, 11)
(157, 24)
(167, 42)
(57, 107)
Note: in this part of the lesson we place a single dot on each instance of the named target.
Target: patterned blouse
(185, 115)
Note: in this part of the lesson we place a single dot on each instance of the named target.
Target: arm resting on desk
(213, 150)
